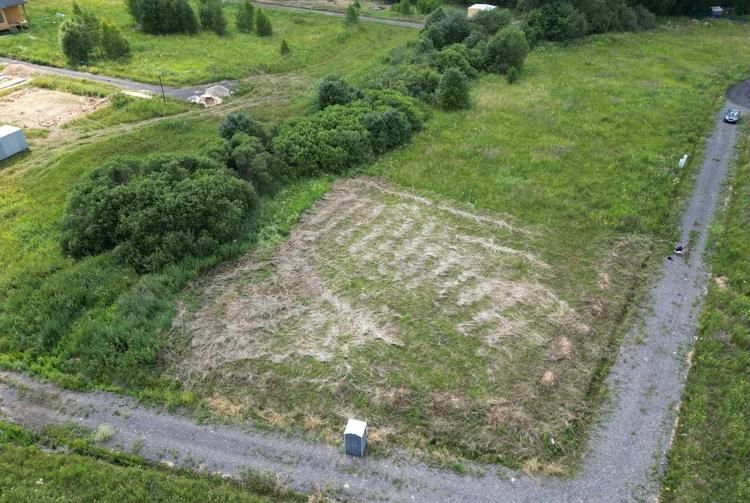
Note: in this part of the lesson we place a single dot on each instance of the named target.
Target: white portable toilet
(12, 141)
(355, 437)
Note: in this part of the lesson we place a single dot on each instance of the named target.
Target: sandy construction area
(41, 108)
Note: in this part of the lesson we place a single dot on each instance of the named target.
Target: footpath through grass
(320, 44)
(710, 458)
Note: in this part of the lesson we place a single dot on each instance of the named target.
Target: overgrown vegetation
(82, 35)
(58, 466)
(709, 458)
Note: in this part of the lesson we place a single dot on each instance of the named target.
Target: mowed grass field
(463, 338)
(320, 44)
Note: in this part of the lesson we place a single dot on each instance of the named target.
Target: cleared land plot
(320, 44)
(41, 108)
(439, 324)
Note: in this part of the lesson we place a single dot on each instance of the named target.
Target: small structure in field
(12, 141)
(355, 437)
(13, 15)
(717, 11)
(479, 7)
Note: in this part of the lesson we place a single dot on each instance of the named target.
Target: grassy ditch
(710, 457)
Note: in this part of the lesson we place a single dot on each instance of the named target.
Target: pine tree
(263, 24)
(245, 17)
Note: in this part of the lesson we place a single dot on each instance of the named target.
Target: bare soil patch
(41, 108)
(441, 325)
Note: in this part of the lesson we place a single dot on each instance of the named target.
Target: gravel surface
(627, 448)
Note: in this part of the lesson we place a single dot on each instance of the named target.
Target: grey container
(355, 437)
(12, 141)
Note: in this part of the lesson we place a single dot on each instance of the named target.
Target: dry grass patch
(443, 326)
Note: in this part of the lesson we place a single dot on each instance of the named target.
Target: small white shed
(12, 141)
(479, 7)
(717, 11)
(355, 437)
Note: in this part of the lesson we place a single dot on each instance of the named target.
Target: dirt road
(627, 448)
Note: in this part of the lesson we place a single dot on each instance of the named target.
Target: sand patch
(41, 108)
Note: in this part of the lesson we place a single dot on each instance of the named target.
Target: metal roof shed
(12, 141)
(479, 7)
(355, 437)
(717, 11)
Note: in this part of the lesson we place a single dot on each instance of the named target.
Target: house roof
(11, 3)
(482, 6)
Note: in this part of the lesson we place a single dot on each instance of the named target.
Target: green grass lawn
(710, 457)
(320, 44)
(56, 467)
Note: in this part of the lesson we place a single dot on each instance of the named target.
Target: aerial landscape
(333, 250)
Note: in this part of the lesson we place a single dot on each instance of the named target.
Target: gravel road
(627, 447)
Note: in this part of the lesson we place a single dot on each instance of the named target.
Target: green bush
(76, 42)
(332, 140)
(248, 157)
(493, 20)
(242, 122)
(446, 28)
(453, 91)
(156, 212)
(418, 81)
(160, 17)
(334, 90)
(388, 129)
(512, 75)
(558, 21)
(413, 110)
(89, 21)
(646, 20)
(114, 45)
(427, 6)
(455, 56)
(627, 19)
(212, 16)
(402, 7)
(352, 15)
(506, 50)
(245, 18)
(263, 24)
(285, 50)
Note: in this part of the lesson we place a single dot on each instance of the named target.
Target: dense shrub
(402, 7)
(446, 28)
(89, 22)
(493, 20)
(263, 24)
(285, 50)
(506, 50)
(212, 16)
(76, 42)
(241, 122)
(166, 16)
(248, 157)
(646, 19)
(558, 21)
(245, 18)
(413, 110)
(427, 6)
(352, 15)
(626, 18)
(329, 141)
(455, 56)
(512, 75)
(453, 91)
(114, 45)
(157, 211)
(388, 129)
(334, 90)
(418, 81)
